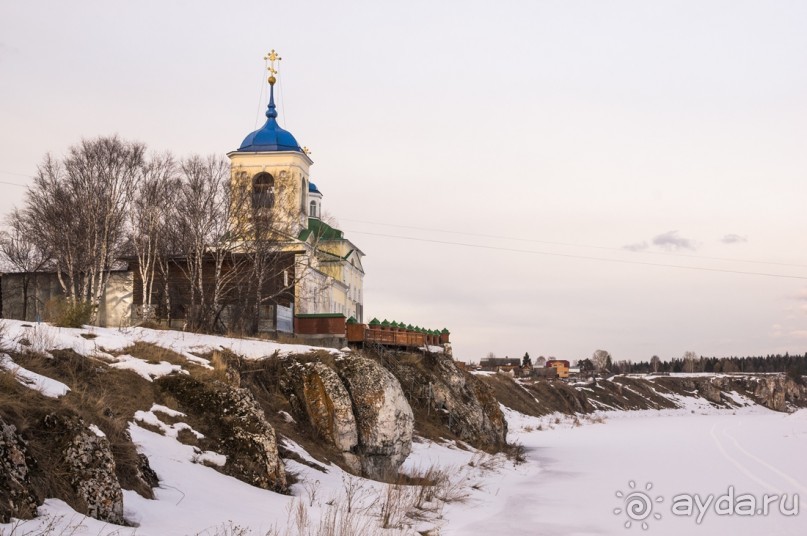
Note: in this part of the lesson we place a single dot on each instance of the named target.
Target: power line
(4, 172)
(14, 184)
(567, 244)
(260, 98)
(585, 257)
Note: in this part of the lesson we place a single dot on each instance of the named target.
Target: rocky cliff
(774, 391)
(361, 410)
(443, 393)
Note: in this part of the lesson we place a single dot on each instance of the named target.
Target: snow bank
(143, 368)
(47, 386)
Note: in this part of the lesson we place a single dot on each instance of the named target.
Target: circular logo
(637, 505)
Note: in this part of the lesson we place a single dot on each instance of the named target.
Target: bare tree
(76, 208)
(208, 224)
(148, 224)
(198, 207)
(689, 361)
(655, 361)
(599, 359)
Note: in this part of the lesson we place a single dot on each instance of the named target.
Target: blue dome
(312, 188)
(270, 137)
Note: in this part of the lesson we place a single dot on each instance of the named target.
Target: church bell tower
(272, 170)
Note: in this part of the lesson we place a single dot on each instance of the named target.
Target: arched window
(303, 192)
(312, 209)
(263, 191)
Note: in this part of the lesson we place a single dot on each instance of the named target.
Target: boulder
(17, 497)
(89, 466)
(384, 419)
(329, 406)
(235, 425)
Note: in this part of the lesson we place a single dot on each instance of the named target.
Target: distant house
(561, 366)
(499, 364)
(547, 373)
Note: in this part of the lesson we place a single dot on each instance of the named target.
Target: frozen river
(700, 452)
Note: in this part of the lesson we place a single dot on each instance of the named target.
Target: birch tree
(149, 220)
(204, 222)
(77, 207)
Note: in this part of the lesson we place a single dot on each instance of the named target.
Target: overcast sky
(525, 173)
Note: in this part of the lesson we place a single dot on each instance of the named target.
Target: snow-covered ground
(569, 485)
(102, 341)
(677, 452)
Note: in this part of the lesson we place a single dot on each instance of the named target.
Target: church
(276, 169)
(314, 273)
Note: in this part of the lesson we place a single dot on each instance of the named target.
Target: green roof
(323, 231)
(352, 320)
(385, 323)
(374, 322)
(445, 332)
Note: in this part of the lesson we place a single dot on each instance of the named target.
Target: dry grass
(156, 354)
(187, 437)
(419, 496)
(37, 338)
(486, 461)
(150, 324)
(99, 395)
(513, 395)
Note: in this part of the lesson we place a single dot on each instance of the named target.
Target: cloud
(639, 246)
(799, 334)
(733, 239)
(671, 241)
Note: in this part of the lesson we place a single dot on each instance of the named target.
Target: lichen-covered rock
(17, 497)
(384, 419)
(236, 425)
(90, 467)
(329, 407)
(770, 391)
(711, 392)
(493, 420)
(466, 405)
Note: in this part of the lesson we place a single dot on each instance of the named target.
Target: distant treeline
(793, 364)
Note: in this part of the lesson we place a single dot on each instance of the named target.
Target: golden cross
(272, 57)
